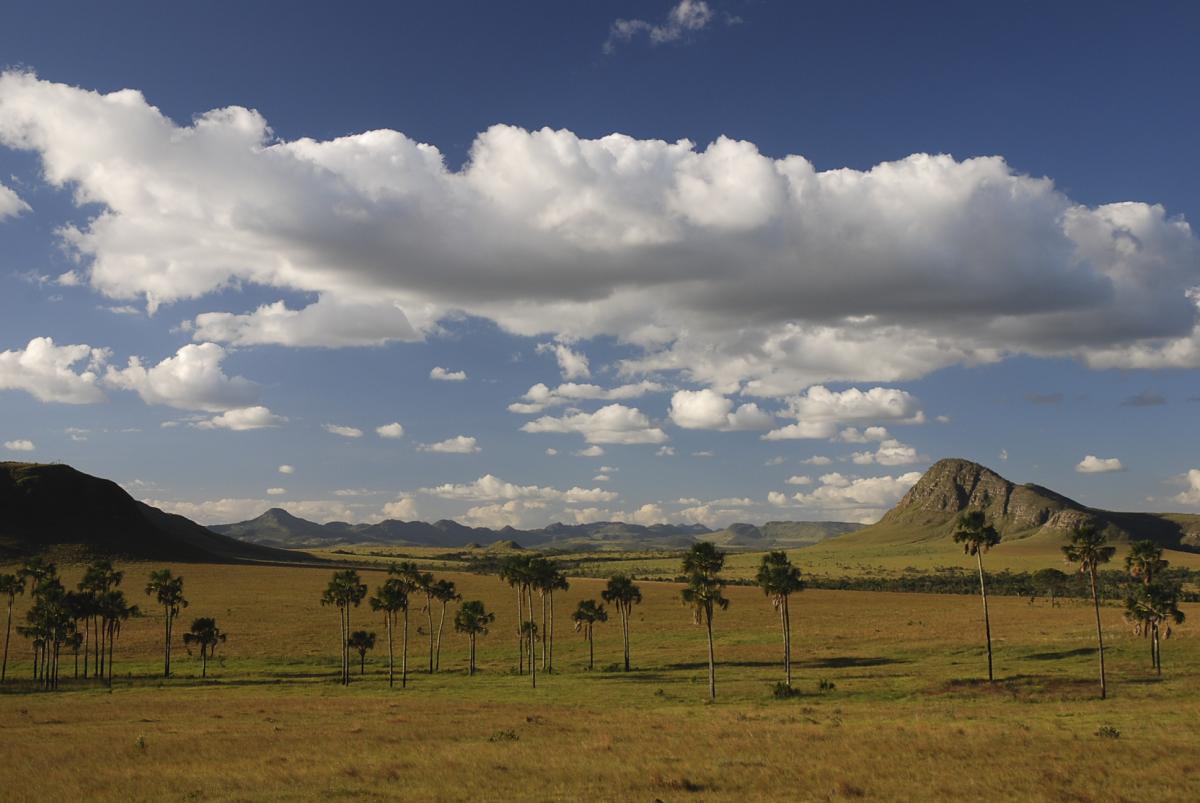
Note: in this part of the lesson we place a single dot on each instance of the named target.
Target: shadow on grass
(847, 662)
(1026, 687)
(1055, 656)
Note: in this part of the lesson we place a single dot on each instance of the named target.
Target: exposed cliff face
(952, 486)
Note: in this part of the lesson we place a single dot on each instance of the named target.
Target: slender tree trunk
(166, 642)
(532, 634)
(341, 645)
(520, 635)
(712, 663)
(787, 641)
(362, 662)
(429, 624)
(550, 635)
(1099, 634)
(7, 636)
(543, 638)
(987, 623)
(591, 650)
(1157, 652)
(109, 638)
(532, 663)
(76, 673)
(389, 618)
(86, 645)
(471, 657)
(437, 647)
(37, 651)
(625, 632)
(203, 661)
(404, 654)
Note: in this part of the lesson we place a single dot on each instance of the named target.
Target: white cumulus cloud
(442, 375)
(19, 445)
(1098, 465)
(707, 409)
(50, 373)
(460, 444)
(392, 430)
(243, 418)
(191, 379)
(613, 423)
(342, 430)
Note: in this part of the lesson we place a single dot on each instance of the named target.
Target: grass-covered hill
(54, 508)
(1033, 522)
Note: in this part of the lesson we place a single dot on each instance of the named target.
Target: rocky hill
(54, 508)
(931, 507)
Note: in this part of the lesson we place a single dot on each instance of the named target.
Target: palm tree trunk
(404, 654)
(987, 623)
(591, 650)
(543, 638)
(471, 657)
(520, 635)
(437, 647)
(341, 645)
(712, 664)
(429, 624)
(87, 632)
(1157, 652)
(362, 662)
(109, 637)
(1099, 633)
(203, 661)
(787, 640)
(389, 618)
(625, 633)
(166, 643)
(7, 636)
(550, 635)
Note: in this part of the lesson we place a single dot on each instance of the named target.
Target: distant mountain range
(277, 527)
(929, 510)
(54, 508)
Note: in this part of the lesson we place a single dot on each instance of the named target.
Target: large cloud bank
(739, 271)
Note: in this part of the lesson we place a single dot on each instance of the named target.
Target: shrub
(782, 691)
(1108, 732)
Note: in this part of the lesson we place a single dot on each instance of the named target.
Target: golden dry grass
(908, 718)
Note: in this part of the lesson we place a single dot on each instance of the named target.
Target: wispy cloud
(684, 18)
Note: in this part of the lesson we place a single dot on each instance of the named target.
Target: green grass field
(907, 718)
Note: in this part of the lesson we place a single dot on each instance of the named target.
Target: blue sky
(891, 235)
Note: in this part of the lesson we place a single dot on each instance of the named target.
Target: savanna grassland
(903, 715)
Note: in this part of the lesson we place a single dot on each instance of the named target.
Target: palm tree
(779, 579)
(207, 636)
(530, 629)
(1145, 561)
(702, 567)
(515, 570)
(98, 579)
(622, 592)
(114, 611)
(978, 536)
(585, 617)
(390, 598)
(407, 574)
(345, 590)
(551, 580)
(1149, 608)
(362, 641)
(423, 582)
(10, 585)
(445, 593)
(473, 620)
(1089, 548)
(168, 591)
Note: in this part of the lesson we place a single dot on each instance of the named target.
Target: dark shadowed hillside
(54, 507)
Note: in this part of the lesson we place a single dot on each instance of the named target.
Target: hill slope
(929, 510)
(54, 507)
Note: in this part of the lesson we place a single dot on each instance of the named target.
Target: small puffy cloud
(192, 379)
(817, 460)
(704, 453)
(540, 396)
(276, 491)
(11, 204)
(286, 469)
(799, 479)
(442, 375)
(243, 418)
(853, 435)
(665, 451)
(460, 444)
(392, 430)
(859, 498)
(890, 453)
(19, 445)
(404, 509)
(572, 364)
(647, 514)
(343, 431)
(328, 322)
(779, 460)
(777, 499)
(1098, 465)
(50, 373)
(591, 451)
(613, 423)
(601, 478)
(490, 488)
(942, 419)
(707, 409)
(818, 411)
(552, 451)
(1003, 454)
(76, 433)
(685, 17)
(1191, 496)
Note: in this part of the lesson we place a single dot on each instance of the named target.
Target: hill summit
(930, 510)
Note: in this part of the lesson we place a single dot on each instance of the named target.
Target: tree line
(87, 621)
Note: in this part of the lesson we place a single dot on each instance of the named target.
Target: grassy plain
(907, 717)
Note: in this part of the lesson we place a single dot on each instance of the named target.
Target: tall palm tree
(114, 611)
(10, 586)
(168, 591)
(1145, 561)
(445, 593)
(585, 617)
(623, 593)
(977, 536)
(1088, 549)
(1150, 608)
(702, 567)
(99, 578)
(345, 590)
(530, 629)
(362, 641)
(779, 579)
(408, 575)
(515, 570)
(472, 619)
(391, 598)
(207, 636)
